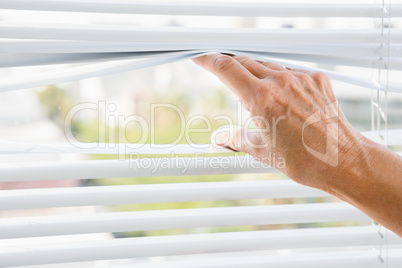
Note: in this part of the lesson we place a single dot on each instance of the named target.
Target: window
(106, 159)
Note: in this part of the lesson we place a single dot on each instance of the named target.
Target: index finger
(231, 73)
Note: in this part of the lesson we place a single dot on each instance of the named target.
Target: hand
(299, 123)
(299, 120)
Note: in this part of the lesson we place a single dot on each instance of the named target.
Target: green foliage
(55, 103)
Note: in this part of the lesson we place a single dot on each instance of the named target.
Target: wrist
(361, 169)
(372, 182)
(355, 160)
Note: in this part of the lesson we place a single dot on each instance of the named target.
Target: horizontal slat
(22, 47)
(329, 259)
(153, 193)
(365, 62)
(134, 149)
(209, 8)
(143, 167)
(197, 244)
(390, 85)
(17, 60)
(160, 35)
(108, 148)
(100, 69)
(87, 71)
(355, 259)
(176, 219)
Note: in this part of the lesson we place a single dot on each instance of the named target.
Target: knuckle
(304, 77)
(287, 80)
(222, 63)
(319, 77)
(248, 63)
(286, 77)
(273, 66)
(242, 59)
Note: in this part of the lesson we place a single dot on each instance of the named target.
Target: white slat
(149, 167)
(153, 193)
(108, 148)
(36, 59)
(329, 259)
(208, 8)
(22, 47)
(197, 244)
(100, 69)
(89, 70)
(390, 85)
(160, 35)
(178, 218)
(364, 61)
(17, 59)
(6, 146)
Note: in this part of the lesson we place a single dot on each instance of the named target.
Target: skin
(352, 168)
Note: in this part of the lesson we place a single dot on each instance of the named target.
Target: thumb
(237, 139)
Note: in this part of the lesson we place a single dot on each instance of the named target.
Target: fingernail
(230, 148)
(222, 138)
(228, 54)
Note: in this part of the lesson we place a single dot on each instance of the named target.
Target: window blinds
(64, 43)
(79, 51)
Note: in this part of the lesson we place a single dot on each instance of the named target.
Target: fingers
(254, 67)
(231, 73)
(237, 139)
(243, 75)
(300, 71)
(274, 66)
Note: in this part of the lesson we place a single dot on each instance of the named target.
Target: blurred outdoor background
(38, 114)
